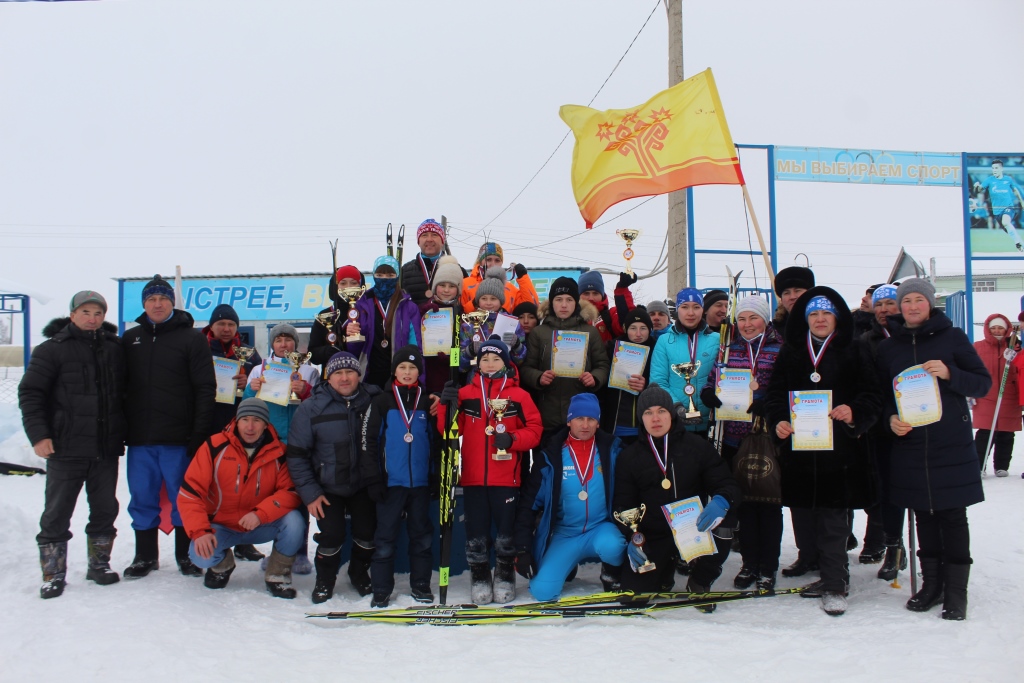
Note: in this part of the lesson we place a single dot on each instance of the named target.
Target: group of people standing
(544, 479)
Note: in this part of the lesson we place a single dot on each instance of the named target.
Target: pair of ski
(597, 605)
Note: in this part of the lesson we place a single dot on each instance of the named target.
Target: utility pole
(677, 247)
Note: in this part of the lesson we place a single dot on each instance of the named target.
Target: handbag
(756, 466)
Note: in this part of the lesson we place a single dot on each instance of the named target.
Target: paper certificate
(734, 392)
(917, 397)
(627, 359)
(682, 519)
(568, 353)
(504, 323)
(812, 427)
(277, 383)
(437, 332)
(225, 370)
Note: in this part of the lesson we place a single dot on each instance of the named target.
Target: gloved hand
(756, 407)
(524, 564)
(503, 441)
(450, 393)
(712, 514)
(625, 280)
(637, 556)
(510, 339)
(520, 270)
(709, 398)
(376, 492)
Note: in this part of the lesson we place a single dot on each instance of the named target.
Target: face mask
(385, 287)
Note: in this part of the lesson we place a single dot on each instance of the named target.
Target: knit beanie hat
(652, 396)
(343, 360)
(158, 287)
(755, 304)
(819, 303)
(637, 315)
(657, 306)
(493, 284)
(714, 296)
(448, 270)
(430, 225)
(689, 295)
(794, 276)
(916, 285)
(490, 249)
(583, 405)
(408, 354)
(88, 297)
(284, 330)
(350, 272)
(253, 407)
(495, 345)
(389, 261)
(564, 285)
(592, 281)
(883, 292)
(525, 307)
(224, 312)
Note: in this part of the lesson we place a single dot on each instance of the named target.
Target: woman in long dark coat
(934, 468)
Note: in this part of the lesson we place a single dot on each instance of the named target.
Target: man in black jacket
(70, 401)
(171, 388)
(417, 273)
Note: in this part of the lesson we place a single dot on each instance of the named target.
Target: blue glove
(713, 513)
(636, 555)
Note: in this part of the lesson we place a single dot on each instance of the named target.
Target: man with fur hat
(790, 283)
(71, 408)
(419, 272)
(592, 289)
(324, 343)
(168, 405)
(491, 255)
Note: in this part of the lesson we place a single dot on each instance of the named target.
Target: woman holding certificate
(737, 392)
(933, 369)
(631, 370)
(822, 400)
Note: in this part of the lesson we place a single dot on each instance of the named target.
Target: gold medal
(666, 484)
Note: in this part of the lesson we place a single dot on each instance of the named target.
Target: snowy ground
(169, 628)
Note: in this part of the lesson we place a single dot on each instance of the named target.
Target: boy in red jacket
(237, 490)
(492, 454)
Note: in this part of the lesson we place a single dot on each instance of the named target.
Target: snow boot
(746, 578)
(53, 559)
(931, 586)
(147, 554)
(872, 554)
(327, 562)
(302, 564)
(611, 579)
(851, 543)
(248, 552)
(800, 567)
(359, 569)
(217, 576)
(505, 580)
(481, 590)
(279, 575)
(181, 545)
(693, 587)
(380, 600)
(816, 590)
(99, 571)
(834, 603)
(895, 559)
(766, 581)
(422, 593)
(954, 600)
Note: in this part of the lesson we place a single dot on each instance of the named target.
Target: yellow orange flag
(677, 139)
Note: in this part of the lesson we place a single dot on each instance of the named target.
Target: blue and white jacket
(387, 457)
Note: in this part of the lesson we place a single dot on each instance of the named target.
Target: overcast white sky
(238, 136)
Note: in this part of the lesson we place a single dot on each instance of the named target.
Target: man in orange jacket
(237, 490)
(491, 255)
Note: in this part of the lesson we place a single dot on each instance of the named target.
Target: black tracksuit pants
(487, 506)
(64, 481)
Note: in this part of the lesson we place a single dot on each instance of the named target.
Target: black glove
(756, 407)
(520, 270)
(625, 280)
(450, 393)
(709, 398)
(524, 564)
(503, 442)
(376, 492)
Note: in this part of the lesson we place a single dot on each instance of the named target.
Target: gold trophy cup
(243, 354)
(296, 359)
(476, 319)
(688, 371)
(631, 518)
(499, 406)
(327, 320)
(629, 235)
(351, 295)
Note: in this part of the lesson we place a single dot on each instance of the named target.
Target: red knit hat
(348, 272)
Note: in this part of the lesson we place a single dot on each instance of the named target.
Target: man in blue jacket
(571, 494)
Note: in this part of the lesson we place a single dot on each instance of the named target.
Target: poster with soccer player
(994, 189)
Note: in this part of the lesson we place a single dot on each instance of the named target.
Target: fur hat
(794, 276)
(284, 330)
(493, 284)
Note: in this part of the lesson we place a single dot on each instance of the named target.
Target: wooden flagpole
(760, 237)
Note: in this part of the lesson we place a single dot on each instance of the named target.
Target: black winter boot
(359, 569)
(693, 587)
(895, 559)
(248, 552)
(53, 559)
(99, 571)
(800, 567)
(327, 567)
(481, 587)
(871, 553)
(954, 601)
(745, 578)
(181, 544)
(218, 575)
(931, 586)
(147, 554)
(611, 578)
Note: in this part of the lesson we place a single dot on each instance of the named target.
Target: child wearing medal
(443, 292)
(490, 297)
(396, 464)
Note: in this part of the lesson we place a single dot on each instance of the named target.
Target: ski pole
(911, 522)
(1008, 356)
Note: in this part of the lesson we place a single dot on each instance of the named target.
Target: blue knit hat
(390, 261)
(819, 303)
(583, 405)
(158, 287)
(883, 292)
(224, 312)
(343, 360)
(592, 281)
(495, 345)
(689, 295)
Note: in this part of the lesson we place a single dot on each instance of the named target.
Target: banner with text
(867, 166)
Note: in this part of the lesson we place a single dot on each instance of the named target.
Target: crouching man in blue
(564, 514)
